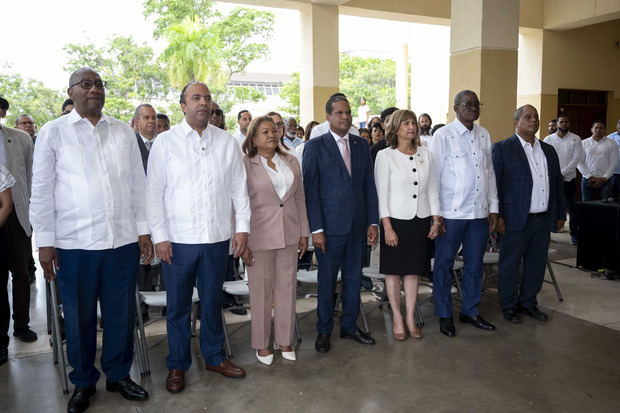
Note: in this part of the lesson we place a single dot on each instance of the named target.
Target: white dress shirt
(600, 158)
(239, 137)
(426, 140)
(540, 176)
(282, 177)
(193, 182)
(145, 141)
(87, 185)
(322, 128)
(569, 152)
(2, 150)
(6, 179)
(406, 184)
(339, 142)
(463, 164)
(616, 138)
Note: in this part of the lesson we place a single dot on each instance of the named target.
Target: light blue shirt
(616, 138)
(292, 143)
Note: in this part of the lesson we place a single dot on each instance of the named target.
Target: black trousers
(21, 251)
(570, 196)
(5, 309)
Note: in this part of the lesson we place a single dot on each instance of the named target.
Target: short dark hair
(553, 121)
(140, 106)
(563, 116)
(459, 96)
(4, 104)
(66, 103)
(378, 126)
(519, 112)
(194, 82)
(163, 116)
(248, 147)
(425, 115)
(438, 126)
(360, 130)
(387, 112)
(336, 97)
(21, 116)
(598, 121)
(241, 113)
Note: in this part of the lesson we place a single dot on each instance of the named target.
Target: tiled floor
(570, 364)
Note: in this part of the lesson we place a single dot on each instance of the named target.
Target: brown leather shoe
(416, 333)
(175, 381)
(226, 368)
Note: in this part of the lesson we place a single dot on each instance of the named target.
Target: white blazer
(406, 184)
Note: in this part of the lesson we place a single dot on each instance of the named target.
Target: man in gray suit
(16, 154)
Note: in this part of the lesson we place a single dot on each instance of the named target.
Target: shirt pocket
(458, 160)
(69, 160)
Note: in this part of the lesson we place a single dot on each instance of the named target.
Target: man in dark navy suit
(341, 200)
(531, 206)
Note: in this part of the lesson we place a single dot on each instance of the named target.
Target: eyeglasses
(470, 105)
(218, 112)
(87, 84)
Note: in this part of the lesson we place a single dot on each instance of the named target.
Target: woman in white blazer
(408, 194)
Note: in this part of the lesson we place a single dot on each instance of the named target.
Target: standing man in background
(569, 150)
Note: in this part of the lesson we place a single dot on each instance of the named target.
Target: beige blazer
(18, 148)
(275, 222)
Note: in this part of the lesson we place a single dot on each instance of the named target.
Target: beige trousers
(273, 279)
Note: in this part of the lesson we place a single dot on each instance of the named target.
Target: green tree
(130, 69)
(289, 92)
(369, 77)
(193, 54)
(208, 46)
(31, 97)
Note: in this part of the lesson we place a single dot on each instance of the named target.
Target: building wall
(585, 58)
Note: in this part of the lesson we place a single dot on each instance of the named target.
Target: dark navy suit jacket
(337, 202)
(143, 151)
(514, 184)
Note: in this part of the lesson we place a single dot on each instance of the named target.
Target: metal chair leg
(363, 314)
(226, 339)
(417, 314)
(57, 338)
(142, 350)
(48, 307)
(554, 281)
(455, 275)
(297, 329)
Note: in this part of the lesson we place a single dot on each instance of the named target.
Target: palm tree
(193, 54)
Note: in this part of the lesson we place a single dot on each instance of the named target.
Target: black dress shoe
(534, 312)
(511, 314)
(127, 388)
(476, 321)
(357, 335)
(446, 326)
(4, 355)
(25, 334)
(80, 400)
(322, 343)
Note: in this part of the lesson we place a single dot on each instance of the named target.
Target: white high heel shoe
(266, 360)
(289, 355)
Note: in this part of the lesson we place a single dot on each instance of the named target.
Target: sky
(40, 28)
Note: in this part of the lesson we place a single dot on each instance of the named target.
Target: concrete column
(402, 77)
(319, 73)
(484, 41)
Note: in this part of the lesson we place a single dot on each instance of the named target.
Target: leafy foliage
(368, 77)
(29, 96)
(131, 70)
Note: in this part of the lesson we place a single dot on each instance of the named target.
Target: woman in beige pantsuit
(278, 229)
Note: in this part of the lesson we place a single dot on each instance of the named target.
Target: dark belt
(539, 214)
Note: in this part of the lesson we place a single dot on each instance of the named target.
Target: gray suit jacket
(18, 148)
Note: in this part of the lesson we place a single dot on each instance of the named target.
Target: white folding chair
(155, 299)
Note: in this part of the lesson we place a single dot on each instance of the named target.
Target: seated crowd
(106, 198)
